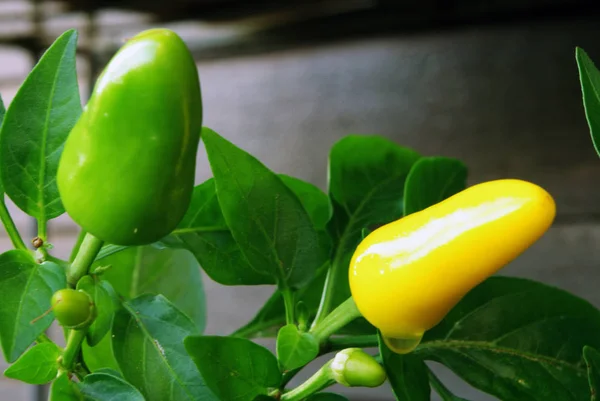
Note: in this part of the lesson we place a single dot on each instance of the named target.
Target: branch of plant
(10, 227)
(290, 307)
(343, 342)
(90, 246)
(42, 228)
(78, 242)
(317, 382)
(338, 318)
(325, 305)
(72, 348)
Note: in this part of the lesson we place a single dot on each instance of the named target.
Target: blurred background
(493, 83)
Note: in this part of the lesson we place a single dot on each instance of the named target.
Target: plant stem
(77, 245)
(90, 246)
(317, 382)
(9, 226)
(328, 291)
(72, 348)
(340, 343)
(62, 263)
(288, 301)
(42, 226)
(338, 318)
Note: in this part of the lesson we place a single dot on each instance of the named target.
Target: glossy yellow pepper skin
(407, 275)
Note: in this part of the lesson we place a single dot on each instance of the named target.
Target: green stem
(326, 303)
(288, 301)
(340, 343)
(441, 389)
(62, 263)
(42, 229)
(338, 318)
(9, 226)
(72, 348)
(90, 246)
(77, 245)
(317, 382)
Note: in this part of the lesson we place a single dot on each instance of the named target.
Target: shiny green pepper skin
(126, 174)
(73, 309)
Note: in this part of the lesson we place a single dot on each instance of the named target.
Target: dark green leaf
(265, 217)
(235, 369)
(366, 185)
(326, 397)
(271, 316)
(29, 287)
(63, 389)
(173, 273)
(590, 86)
(106, 302)
(592, 361)
(106, 387)
(36, 127)
(100, 356)
(204, 232)
(431, 180)
(36, 366)
(315, 201)
(295, 349)
(518, 340)
(408, 375)
(148, 345)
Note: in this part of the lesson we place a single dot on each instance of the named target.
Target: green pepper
(126, 174)
(73, 309)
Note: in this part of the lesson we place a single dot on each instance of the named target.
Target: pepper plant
(388, 270)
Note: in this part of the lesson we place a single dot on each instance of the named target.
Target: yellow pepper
(407, 275)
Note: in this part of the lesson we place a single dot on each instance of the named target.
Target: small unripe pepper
(407, 275)
(73, 309)
(353, 367)
(126, 174)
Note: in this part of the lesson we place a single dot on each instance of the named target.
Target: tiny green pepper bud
(353, 367)
(73, 309)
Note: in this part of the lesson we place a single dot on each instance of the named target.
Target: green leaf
(63, 389)
(106, 387)
(36, 127)
(100, 356)
(235, 369)
(326, 397)
(431, 180)
(29, 287)
(366, 186)
(589, 77)
(204, 232)
(265, 217)
(271, 316)
(295, 349)
(36, 366)
(592, 361)
(148, 345)
(517, 340)
(173, 273)
(408, 375)
(315, 202)
(106, 302)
